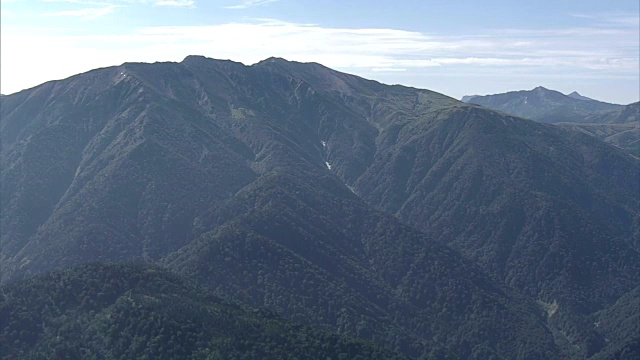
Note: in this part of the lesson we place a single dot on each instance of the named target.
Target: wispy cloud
(95, 9)
(249, 3)
(603, 52)
(120, 2)
(86, 13)
(388, 70)
(175, 3)
(611, 18)
(7, 14)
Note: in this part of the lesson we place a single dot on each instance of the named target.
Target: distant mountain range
(391, 221)
(615, 124)
(577, 95)
(547, 106)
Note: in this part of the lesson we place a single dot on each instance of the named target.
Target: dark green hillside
(399, 215)
(554, 215)
(620, 324)
(625, 136)
(323, 259)
(132, 311)
(120, 175)
(493, 186)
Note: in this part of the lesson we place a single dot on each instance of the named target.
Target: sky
(457, 48)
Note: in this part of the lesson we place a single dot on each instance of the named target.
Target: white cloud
(7, 14)
(115, 2)
(611, 18)
(101, 8)
(388, 70)
(86, 13)
(249, 3)
(174, 3)
(591, 51)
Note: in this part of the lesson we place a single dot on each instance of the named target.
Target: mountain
(217, 170)
(620, 128)
(133, 311)
(621, 326)
(545, 105)
(522, 200)
(577, 95)
(625, 115)
(624, 136)
(399, 215)
(614, 124)
(468, 98)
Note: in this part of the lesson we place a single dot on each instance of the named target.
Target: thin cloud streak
(174, 3)
(102, 8)
(85, 13)
(355, 50)
(245, 4)
(615, 18)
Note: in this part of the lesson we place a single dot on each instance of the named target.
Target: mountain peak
(541, 88)
(203, 59)
(577, 95)
(544, 105)
(274, 59)
(196, 58)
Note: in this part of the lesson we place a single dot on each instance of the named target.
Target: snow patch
(328, 165)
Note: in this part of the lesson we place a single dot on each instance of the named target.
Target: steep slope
(252, 179)
(134, 311)
(621, 326)
(166, 173)
(544, 105)
(358, 272)
(436, 157)
(625, 136)
(629, 114)
(116, 172)
(478, 180)
(554, 215)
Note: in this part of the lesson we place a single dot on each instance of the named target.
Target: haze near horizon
(467, 49)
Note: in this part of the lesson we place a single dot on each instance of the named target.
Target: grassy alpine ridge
(429, 226)
(114, 311)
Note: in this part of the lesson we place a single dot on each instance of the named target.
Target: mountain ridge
(544, 105)
(205, 166)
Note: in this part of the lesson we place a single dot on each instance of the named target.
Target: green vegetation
(550, 106)
(437, 232)
(140, 312)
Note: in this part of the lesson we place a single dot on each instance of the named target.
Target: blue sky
(453, 47)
